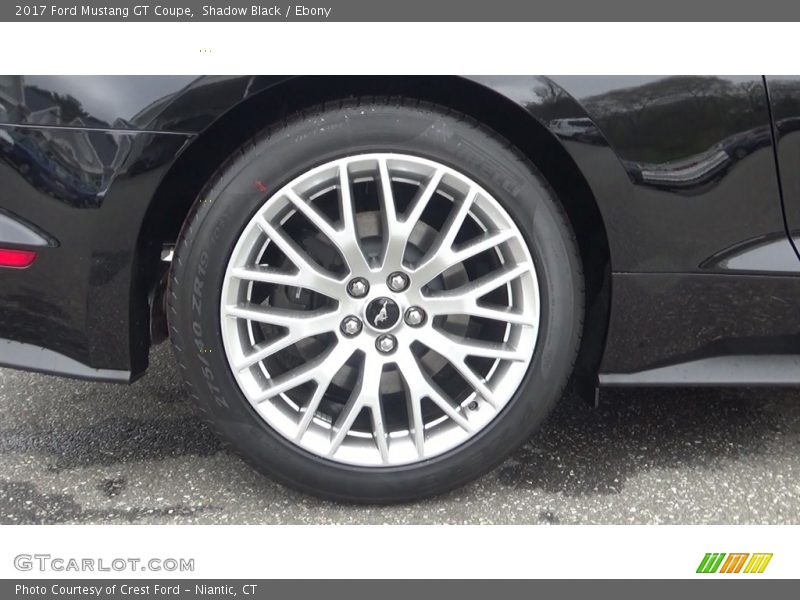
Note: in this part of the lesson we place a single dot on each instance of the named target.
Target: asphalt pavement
(80, 452)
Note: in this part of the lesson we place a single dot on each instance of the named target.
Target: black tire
(311, 138)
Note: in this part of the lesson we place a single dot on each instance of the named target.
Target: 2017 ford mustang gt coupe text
(377, 287)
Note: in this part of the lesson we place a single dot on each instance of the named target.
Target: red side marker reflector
(16, 258)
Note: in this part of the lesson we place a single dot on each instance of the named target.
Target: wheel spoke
(465, 300)
(348, 415)
(394, 242)
(487, 241)
(379, 431)
(346, 203)
(317, 218)
(400, 232)
(445, 348)
(371, 398)
(307, 268)
(456, 219)
(419, 386)
(441, 250)
(448, 257)
(283, 317)
(525, 317)
(366, 394)
(416, 424)
(386, 195)
(308, 327)
(422, 200)
(463, 348)
(310, 371)
(483, 285)
(469, 306)
(323, 382)
(345, 421)
(351, 243)
(314, 281)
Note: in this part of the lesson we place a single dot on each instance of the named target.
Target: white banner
(398, 48)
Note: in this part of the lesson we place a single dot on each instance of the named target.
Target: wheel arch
(481, 100)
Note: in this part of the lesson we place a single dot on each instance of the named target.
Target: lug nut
(386, 344)
(358, 287)
(415, 316)
(351, 326)
(397, 281)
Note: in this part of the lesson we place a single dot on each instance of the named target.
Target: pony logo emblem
(383, 313)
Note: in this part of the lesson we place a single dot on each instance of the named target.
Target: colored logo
(741, 562)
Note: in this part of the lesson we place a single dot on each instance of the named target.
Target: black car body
(702, 283)
(683, 193)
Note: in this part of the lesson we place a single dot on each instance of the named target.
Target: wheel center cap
(383, 313)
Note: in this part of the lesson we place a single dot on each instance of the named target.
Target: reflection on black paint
(63, 157)
(152, 103)
(675, 133)
(784, 95)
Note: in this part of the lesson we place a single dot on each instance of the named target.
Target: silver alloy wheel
(354, 397)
